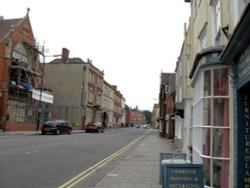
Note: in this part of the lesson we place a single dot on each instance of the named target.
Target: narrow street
(50, 161)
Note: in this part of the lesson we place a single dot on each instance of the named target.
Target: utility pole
(41, 92)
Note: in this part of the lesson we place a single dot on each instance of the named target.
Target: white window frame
(194, 7)
(198, 105)
(217, 17)
(203, 43)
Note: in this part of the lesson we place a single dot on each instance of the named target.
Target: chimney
(65, 55)
(89, 61)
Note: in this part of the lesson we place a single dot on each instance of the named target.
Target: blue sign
(183, 176)
(243, 67)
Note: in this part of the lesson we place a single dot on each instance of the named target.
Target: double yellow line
(92, 169)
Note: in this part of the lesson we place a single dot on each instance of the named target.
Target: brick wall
(27, 127)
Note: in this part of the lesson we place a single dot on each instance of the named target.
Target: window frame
(203, 144)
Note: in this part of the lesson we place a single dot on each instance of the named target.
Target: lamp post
(41, 87)
(41, 92)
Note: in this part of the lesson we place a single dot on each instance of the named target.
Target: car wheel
(58, 132)
(43, 132)
(70, 131)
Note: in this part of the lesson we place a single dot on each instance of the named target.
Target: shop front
(237, 54)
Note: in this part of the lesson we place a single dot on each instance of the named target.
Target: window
(220, 82)
(166, 88)
(217, 17)
(89, 76)
(211, 119)
(203, 38)
(241, 4)
(91, 97)
(194, 7)
(207, 83)
(98, 100)
(206, 112)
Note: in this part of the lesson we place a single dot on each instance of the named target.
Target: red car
(94, 127)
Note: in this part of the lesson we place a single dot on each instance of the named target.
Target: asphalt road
(48, 161)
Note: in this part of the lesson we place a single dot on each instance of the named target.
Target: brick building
(20, 76)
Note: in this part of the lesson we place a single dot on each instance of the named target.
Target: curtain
(225, 148)
(224, 179)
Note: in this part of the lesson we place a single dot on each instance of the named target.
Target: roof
(75, 60)
(6, 25)
(69, 61)
(167, 78)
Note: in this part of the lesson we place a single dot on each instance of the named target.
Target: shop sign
(244, 63)
(42, 96)
(183, 176)
(246, 153)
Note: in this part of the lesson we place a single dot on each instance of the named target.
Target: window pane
(217, 142)
(221, 82)
(221, 112)
(207, 83)
(220, 171)
(206, 112)
(206, 141)
(220, 143)
(216, 173)
(206, 165)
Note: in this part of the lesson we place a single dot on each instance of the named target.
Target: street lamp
(41, 92)
(41, 87)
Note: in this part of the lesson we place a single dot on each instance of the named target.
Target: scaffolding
(25, 77)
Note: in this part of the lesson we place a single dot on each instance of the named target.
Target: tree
(148, 115)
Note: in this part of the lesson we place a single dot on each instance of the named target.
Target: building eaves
(69, 61)
(6, 26)
(239, 39)
(215, 49)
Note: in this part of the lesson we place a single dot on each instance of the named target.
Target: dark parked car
(95, 127)
(56, 127)
(138, 126)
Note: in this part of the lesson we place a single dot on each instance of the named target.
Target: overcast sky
(132, 41)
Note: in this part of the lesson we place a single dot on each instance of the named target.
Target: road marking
(112, 175)
(98, 165)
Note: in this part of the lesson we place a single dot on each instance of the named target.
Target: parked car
(95, 127)
(138, 126)
(146, 126)
(56, 127)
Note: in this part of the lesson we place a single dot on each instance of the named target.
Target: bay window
(213, 124)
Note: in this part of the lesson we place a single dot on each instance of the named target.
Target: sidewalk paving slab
(137, 168)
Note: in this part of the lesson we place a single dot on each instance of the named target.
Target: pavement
(136, 167)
